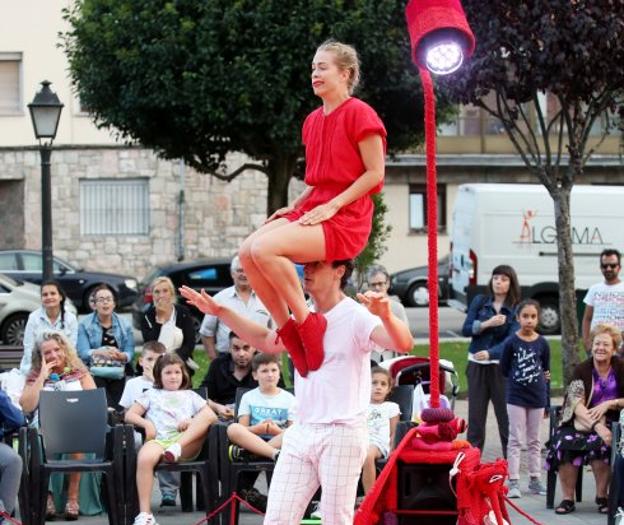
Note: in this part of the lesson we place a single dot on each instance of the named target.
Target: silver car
(17, 300)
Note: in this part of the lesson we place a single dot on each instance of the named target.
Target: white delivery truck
(515, 224)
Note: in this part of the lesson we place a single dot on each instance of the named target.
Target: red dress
(333, 163)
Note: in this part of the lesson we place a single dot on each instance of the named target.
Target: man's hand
(377, 303)
(202, 301)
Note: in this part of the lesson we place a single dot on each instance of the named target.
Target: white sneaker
(514, 490)
(145, 518)
(172, 453)
(316, 511)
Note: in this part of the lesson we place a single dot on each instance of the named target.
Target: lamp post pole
(46, 211)
(45, 112)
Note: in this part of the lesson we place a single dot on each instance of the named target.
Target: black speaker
(425, 487)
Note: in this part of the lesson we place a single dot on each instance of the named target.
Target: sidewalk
(535, 506)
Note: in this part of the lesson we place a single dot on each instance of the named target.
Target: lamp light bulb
(443, 58)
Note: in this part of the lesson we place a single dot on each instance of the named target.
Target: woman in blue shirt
(106, 344)
(490, 320)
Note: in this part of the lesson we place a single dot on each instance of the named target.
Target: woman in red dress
(345, 143)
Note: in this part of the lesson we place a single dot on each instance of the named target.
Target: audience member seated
(106, 345)
(264, 412)
(52, 315)
(10, 462)
(56, 366)
(175, 420)
(593, 400)
(170, 323)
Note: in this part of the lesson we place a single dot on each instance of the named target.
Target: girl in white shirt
(383, 417)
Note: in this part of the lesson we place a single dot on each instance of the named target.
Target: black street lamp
(45, 112)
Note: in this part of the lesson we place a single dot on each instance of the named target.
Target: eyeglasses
(104, 300)
(379, 283)
(606, 266)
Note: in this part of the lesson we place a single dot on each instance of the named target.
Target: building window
(114, 206)
(418, 207)
(10, 83)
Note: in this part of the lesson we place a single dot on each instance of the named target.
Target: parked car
(17, 300)
(78, 283)
(411, 285)
(213, 275)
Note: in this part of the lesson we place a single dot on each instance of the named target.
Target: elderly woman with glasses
(106, 345)
(378, 280)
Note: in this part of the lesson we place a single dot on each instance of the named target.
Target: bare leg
(602, 473)
(369, 471)
(192, 438)
(149, 456)
(273, 253)
(567, 478)
(259, 284)
(243, 437)
(73, 483)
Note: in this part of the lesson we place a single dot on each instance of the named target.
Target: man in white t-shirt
(215, 334)
(327, 444)
(604, 302)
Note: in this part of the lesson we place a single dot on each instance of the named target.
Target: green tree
(574, 52)
(199, 79)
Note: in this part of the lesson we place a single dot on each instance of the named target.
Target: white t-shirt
(253, 309)
(608, 303)
(279, 408)
(339, 391)
(167, 408)
(379, 415)
(133, 389)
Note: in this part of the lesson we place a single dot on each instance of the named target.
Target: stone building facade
(211, 220)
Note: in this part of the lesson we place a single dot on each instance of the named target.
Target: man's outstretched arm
(394, 334)
(255, 334)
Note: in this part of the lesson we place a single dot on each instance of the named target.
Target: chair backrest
(73, 421)
(202, 391)
(240, 391)
(403, 395)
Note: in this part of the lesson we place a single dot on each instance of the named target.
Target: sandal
(50, 512)
(71, 511)
(603, 505)
(565, 507)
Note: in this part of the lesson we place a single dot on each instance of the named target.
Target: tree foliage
(199, 79)
(573, 50)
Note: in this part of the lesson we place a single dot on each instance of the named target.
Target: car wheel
(13, 329)
(550, 322)
(418, 295)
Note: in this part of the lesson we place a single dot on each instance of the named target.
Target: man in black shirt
(229, 372)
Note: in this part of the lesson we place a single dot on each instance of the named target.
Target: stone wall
(217, 215)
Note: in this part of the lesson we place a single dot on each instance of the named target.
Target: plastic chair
(69, 423)
(615, 487)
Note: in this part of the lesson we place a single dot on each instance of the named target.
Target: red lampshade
(435, 22)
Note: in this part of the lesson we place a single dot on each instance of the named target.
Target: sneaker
(255, 498)
(168, 500)
(145, 518)
(316, 511)
(312, 331)
(514, 489)
(290, 337)
(536, 487)
(172, 453)
(239, 454)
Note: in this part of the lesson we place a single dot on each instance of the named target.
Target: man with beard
(604, 302)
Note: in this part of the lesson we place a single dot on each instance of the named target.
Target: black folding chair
(617, 462)
(75, 423)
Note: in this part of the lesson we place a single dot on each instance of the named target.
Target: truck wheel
(13, 329)
(418, 295)
(550, 322)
